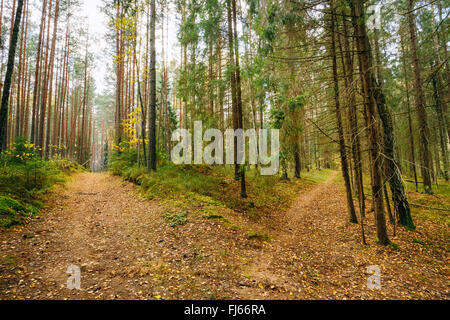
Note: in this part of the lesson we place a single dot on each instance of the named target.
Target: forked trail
(126, 250)
(317, 254)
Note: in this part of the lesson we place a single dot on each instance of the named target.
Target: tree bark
(358, 18)
(342, 151)
(239, 115)
(408, 107)
(353, 118)
(52, 59)
(152, 105)
(393, 174)
(40, 132)
(420, 106)
(8, 76)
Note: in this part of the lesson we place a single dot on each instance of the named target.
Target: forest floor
(126, 249)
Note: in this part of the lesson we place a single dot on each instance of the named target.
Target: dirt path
(123, 246)
(317, 254)
(88, 227)
(294, 227)
(126, 250)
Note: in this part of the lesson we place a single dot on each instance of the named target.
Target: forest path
(126, 250)
(300, 231)
(316, 253)
(90, 226)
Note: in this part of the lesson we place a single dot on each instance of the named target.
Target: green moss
(262, 237)
(9, 206)
(212, 186)
(211, 190)
(176, 218)
(24, 184)
(219, 217)
(394, 246)
(216, 216)
(12, 212)
(318, 175)
(419, 242)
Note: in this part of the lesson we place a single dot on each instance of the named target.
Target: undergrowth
(208, 190)
(25, 178)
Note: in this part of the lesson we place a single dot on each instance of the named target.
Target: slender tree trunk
(27, 104)
(20, 84)
(232, 75)
(221, 88)
(152, 105)
(297, 161)
(8, 76)
(37, 76)
(408, 107)
(393, 174)
(44, 94)
(424, 131)
(353, 117)
(118, 111)
(358, 18)
(441, 103)
(343, 152)
(52, 59)
(25, 73)
(239, 115)
(82, 147)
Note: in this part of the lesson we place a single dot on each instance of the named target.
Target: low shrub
(191, 187)
(24, 178)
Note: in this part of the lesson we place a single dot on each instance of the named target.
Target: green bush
(13, 212)
(202, 184)
(118, 161)
(176, 218)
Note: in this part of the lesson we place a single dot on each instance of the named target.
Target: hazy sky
(98, 28)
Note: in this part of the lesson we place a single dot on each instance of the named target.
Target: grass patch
(258, 236)
(216, 216)
(440, 200)
(213, 216)
(25, 178)
(176, 219)
(442, 189)
(394, 246)
(317, 176)
(13, 212)
(419, 242)
(213, 188)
